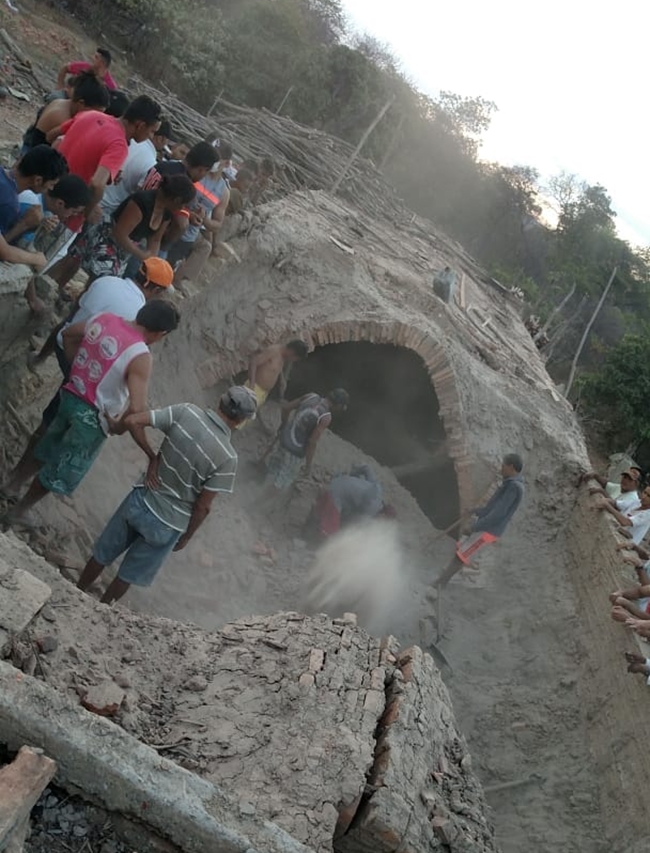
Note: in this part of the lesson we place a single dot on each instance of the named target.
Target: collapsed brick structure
(341, 740)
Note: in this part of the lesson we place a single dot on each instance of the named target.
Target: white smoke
(359, 570)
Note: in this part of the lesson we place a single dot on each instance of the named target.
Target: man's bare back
(266, 367)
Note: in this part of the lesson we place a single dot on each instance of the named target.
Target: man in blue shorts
(195, 463)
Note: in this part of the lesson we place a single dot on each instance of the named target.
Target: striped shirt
(196, 454)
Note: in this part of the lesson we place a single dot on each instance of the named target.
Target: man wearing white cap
(196, 461)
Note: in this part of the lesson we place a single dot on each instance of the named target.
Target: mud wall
(617, 703)
(492, 387)
(16, 324)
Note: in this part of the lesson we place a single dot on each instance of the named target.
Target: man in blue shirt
(491, 520)
(38, 170)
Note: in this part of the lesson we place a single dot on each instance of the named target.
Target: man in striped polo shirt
(167, 506)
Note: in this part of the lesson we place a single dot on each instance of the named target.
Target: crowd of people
(139, 213)
(628, 501)
(131, 190)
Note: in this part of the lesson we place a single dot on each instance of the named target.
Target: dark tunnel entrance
(393, 416)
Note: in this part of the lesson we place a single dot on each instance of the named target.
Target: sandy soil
(516, 654)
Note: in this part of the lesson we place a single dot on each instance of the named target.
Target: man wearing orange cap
(107, 295)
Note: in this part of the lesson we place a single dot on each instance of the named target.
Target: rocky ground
(61, 823)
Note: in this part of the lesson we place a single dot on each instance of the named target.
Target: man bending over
(350, 498)
(268, 366)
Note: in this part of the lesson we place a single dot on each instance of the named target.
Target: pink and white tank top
(98, 373)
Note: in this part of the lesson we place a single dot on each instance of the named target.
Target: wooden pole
(585, 334)
(382, 112)
(391, 148)
(284, 100)
(557, 310)
(214, 105)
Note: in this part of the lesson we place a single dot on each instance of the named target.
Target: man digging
(304, 420)
(491, 519)
(490, 524)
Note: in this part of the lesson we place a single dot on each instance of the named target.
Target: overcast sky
(569, 79)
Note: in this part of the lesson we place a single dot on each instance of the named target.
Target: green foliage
(177, 43)
(619, 394)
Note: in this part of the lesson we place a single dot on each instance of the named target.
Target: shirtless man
(88, 93)
(268, 365)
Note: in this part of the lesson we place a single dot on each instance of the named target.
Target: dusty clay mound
(307, 722)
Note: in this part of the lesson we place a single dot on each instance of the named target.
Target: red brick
(104, 699)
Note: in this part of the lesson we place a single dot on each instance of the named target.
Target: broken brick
(197, 684)
(316, 660)
(346, 815)
(103, 699)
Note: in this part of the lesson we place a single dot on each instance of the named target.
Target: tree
(193, 38)
(467, 117)
(618, 394)
(562, 190)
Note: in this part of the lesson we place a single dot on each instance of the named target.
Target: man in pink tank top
(111, 366)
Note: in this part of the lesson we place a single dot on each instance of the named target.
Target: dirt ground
(510, 635)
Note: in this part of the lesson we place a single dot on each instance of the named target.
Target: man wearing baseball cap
(622, 495)
(106, 295)
(195, 463)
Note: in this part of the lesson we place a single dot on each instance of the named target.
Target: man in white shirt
(635, 523)
(142, 156)
(123, 296)
(624, 494)
(106, 295)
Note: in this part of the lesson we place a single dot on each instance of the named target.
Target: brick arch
(398, 334)
(440, 372)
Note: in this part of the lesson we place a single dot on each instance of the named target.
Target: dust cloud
(361, 570)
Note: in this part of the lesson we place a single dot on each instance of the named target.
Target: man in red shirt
(99, 66)
(95, 146)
